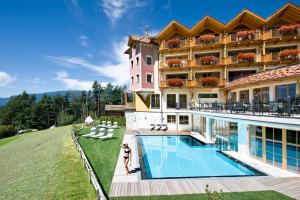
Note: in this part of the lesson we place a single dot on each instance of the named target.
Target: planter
(287, 30)
(289, 54)
(245, 35)
(175, 82)
(208, 60)
(175, 42)
(246, 57)
(209, 82)
(207, 39)
(174, 62)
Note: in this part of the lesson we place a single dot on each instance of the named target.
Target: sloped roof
(208, 23)
(173, 27)
(275, 74)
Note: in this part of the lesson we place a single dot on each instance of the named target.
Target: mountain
(38, 96)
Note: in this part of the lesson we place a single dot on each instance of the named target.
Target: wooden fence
(91, 175)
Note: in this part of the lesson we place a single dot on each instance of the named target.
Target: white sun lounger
(152, 127)
(108, 136)
(100, 134)
(114, 126)
(164, 127)
(93, 128)
(90, 134)
(158, 127)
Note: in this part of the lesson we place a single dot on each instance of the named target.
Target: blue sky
(49, 45)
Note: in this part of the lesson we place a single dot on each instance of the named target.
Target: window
(171, 100)
(132, 64)
(171, 119)
(233, 96)
(261, 94)
(155, 101)
(149, 60)
(138, 78)
(184, 120)
(244, 96)
(149, 78)
(284, 91)
(132, 80)
(137, 60)
(207, 95)
(182, 101)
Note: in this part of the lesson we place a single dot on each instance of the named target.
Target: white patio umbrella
(88, 120)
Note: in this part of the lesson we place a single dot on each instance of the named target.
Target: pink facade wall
(142, 69)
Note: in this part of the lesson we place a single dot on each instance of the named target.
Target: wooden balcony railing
(233, 37)
(235, 59)
(274, 33)
(201, 42)
(183, 43)
(210, 82)
(203, 62)
(274, 56)
(180, 63)
(185, 83)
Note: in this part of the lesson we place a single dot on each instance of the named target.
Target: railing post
(289, 106)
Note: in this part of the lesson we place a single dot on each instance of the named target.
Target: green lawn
(264, 195)
(103, 155)
(42, 165)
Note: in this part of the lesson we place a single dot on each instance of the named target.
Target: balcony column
(250, 95)
(209, 126)
(298, 88)
(225, 51)
(191, 54)
(264, 48)
(237, 95)
(272, 93)
(243, 139)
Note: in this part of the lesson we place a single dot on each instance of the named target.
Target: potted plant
(286, 30)
(246, 57)
(289, 54)
(174, 62)
(175, 82)
(208, 60)
(174, 42)
(209, 82)
(245, 35)
(207, 39)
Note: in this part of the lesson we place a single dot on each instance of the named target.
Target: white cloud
(117, 71)
(5, 79)
(115, 9)
(83, 40)
(71, 83)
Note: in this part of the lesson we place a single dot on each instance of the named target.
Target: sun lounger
(114, 126)
(164, 127)
(108, 136)
(93, 128)
(152, 127)
(110, 130)
(100, 134)
(158, 127)
(90, 134)
(101, 129)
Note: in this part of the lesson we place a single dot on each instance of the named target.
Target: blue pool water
(184, 156)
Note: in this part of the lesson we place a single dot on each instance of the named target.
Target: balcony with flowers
(207, 39)
(209, 80)
(174, 62)
(285, 54)
(207, 59)
(244, 35)
(283, 31)
(175, 43)
(241, 57)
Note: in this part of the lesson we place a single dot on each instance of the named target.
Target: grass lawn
(103, 155)
(42, 165)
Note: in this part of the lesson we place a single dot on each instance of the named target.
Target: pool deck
(132, 185)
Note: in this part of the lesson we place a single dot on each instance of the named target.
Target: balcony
(210, 82)
(285, 31)
(288, 55)
(207, 40)
(207, 60)
(174, 44)
(241, 58)
(241, 36)
(174, 63)
(177, 82)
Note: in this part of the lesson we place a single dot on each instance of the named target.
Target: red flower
(207, 38)
(175, 82)
(208, 60)
(174, 42)
(288, 29)
(246, 34)
(246, 57)
(209, 81)
(173, 62)
(289, 54)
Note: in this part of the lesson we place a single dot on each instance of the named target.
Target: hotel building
(237, 84)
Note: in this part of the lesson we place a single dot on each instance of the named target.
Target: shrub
(7, 131)
(246, 57)
(213, 195)
(289, 54)
(245, 35)
(208, 60)
(207, 39)
(173, 62)
(175, 82)
(288, 29)
(174, 42)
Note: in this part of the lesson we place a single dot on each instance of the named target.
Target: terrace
(284, 31)
(238, 57)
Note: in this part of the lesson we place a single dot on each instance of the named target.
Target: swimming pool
(184, 156)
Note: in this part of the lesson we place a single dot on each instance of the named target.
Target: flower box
(208, 60)
(286, 30)
(175, 42)
(207, 39)
(209, 82)
(245, 35)
(289, 54)
(175, 82)
(174, 62)
(246, 57)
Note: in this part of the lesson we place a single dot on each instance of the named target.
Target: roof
(275, 74)
(147, 39)
(173, 27)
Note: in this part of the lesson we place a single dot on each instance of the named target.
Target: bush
(213, 195)
(7, 131)
(64, 119)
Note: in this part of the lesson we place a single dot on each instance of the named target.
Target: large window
(225, 135)
(182, 101)
(184, 120)
(261, 94)
(155, 101)
(244, 96)
(207, 95)
(171, 119)
(171, 100)
(233, 96)
(274, 146)
(293, 150)
(233, 75)
(284, 91)
(256, 142)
